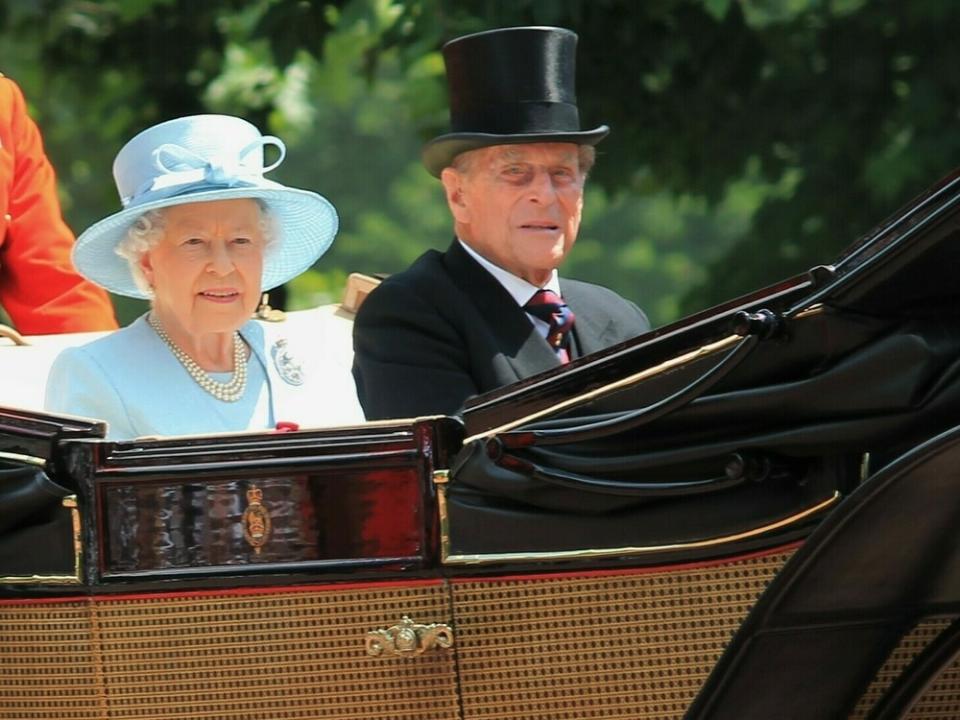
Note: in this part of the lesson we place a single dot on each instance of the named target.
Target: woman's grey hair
(146, 231)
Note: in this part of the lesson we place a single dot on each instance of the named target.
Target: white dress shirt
(519, 289)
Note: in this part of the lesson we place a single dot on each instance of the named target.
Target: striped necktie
(550, 307)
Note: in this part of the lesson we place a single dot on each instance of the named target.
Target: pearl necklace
(230, 391)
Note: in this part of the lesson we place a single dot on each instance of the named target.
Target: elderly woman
(202, 234)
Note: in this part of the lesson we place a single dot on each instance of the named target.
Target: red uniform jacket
(39, 288)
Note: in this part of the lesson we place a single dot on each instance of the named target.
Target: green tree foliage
(751, 140)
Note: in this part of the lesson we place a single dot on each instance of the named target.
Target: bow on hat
(181, 170)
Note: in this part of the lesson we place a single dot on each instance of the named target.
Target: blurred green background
(750, 140)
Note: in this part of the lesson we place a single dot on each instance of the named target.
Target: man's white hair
(586, 157)
(147, 230)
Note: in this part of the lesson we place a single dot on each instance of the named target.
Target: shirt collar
(520, 290)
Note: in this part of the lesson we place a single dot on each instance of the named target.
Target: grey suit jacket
(444, 329)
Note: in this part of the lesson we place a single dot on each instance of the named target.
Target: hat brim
(305, 223)
(440, 152)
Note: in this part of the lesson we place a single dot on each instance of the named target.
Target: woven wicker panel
(600, 646)
(941, 701)
(46, 667)
(256, 655)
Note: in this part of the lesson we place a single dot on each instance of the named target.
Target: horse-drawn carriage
(747, 514)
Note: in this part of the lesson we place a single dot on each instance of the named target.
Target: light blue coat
(131, 379)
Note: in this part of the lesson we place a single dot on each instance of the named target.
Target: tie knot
(550, 307)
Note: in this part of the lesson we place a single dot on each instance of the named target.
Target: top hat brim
(440, 152)
(305, 224)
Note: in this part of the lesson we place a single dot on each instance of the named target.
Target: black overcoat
(444, 329)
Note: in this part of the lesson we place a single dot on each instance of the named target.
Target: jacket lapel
(521, 346)
(589, 328)
(253, 333)
(278, 354)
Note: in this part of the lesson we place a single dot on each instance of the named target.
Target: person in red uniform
(39, 288)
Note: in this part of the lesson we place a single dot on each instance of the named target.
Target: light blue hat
(196, 159)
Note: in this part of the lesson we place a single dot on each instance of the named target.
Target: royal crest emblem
(256, 520)
(288, 367)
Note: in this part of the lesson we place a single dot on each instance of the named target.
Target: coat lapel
(525, 352)
(272, 347)
(253, 333)
(589, 328)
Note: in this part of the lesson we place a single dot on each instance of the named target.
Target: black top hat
(511, 85)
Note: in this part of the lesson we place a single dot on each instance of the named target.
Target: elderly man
(492, 310)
